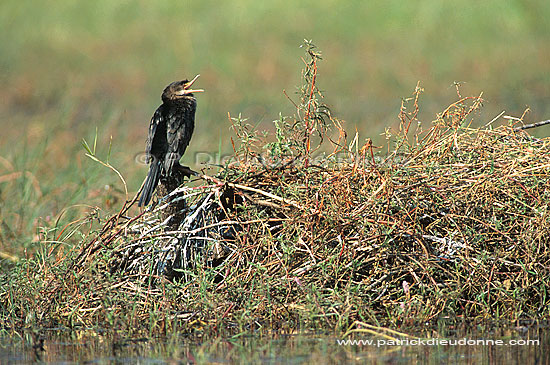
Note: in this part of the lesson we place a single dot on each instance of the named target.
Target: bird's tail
(150, 184)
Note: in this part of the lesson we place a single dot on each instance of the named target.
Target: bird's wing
(156, 120)
(186, 134)
(175, 124)
(180, 129)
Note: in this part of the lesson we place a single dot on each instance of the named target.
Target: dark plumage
(169, 134)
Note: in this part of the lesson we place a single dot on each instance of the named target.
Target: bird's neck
(179, 101)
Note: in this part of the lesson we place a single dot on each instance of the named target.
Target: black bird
(169, 134)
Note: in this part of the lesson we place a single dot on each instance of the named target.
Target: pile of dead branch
(455, 222)
(451, 221)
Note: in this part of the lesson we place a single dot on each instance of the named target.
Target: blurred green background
(70, 67)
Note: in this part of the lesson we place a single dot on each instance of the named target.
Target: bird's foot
(186, 171)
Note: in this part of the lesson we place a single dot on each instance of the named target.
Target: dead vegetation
(449, 222)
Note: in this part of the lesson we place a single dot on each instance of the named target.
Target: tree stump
(168, 184)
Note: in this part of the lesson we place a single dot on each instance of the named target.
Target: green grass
(451, 224)
(69, 69)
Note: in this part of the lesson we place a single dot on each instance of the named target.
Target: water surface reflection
(446, 345)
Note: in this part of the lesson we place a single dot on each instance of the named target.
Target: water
(506, 345)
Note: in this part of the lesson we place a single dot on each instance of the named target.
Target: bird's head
(180, 89)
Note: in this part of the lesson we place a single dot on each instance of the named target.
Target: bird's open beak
(186, 89)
